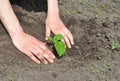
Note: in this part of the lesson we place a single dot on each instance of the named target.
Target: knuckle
(67, 32)
(66, 39)
(31, 56)
(64, 35)
(40, 56)
(46, 55)
(41, 52)
(44, 48)
(37, 54)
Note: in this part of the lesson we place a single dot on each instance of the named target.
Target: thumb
(47, 33)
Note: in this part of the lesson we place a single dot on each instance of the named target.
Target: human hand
(54, 24)
(33, 48)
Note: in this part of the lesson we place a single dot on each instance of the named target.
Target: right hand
(33, 48)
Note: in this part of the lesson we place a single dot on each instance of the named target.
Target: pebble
(77, 47)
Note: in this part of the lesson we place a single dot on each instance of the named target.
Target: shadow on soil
(32, 5)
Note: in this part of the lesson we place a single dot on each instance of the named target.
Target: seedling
(58, 44)
(114, 45)
(11, 78)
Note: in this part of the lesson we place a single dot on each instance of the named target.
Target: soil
(95, 25)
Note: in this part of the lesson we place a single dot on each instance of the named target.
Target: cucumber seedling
(114, 45)
(11, 78)
(58, 44)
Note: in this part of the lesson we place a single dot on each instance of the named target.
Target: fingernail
(52, 61)
(72, 42)
(54, 57)
(45, 38)
(39, 62)
(69, 46)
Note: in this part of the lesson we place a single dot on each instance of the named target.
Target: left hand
(54, 24)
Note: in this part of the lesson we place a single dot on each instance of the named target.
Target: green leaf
(58, 44)
(60, 48)
(114, 45)
(58, 37)
(50, 39)
(11, 78)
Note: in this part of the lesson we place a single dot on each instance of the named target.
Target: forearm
(8, 18)
(53, 7)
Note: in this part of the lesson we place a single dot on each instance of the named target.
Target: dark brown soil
(94, 25)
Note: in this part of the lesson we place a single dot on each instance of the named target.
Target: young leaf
(60, 47)
(50, 39)
(58, 44)
(11, 78)
(114, 45)
(58, 37)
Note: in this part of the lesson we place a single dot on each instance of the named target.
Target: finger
(40, 56)
(38, 50)
(67, 41)
(47, 33)
(50, 53)
(64, 42)
(45, 49)
(70, 36)
(39, 53)
(29, 54)
(48, 58)
(43, 60)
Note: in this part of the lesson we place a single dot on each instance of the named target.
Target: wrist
(53, 7)
(54, 12)
(52, 15)
(18, 31)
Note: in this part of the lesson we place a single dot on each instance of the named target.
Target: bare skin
(28, 44)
